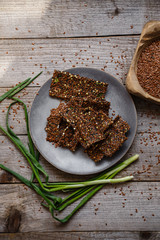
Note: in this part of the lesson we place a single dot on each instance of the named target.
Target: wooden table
(46, 35)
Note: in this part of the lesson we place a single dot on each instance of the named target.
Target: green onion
(33, 186)
(14, 138)
(24, 85)
(18, 87)
(89, 183)
(5, 95)
(111, 173)
(85, 189)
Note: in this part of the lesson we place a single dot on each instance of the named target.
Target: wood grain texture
(112, 209)
(146, 143)
(147, 168)
(22, 58)
(34, 36)
(53, 18)
(82, 236)
(148, 113)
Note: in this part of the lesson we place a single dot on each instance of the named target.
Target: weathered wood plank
(28, 19)
(148, 113)
(20, 58)
(147, 168)
(125, 207)
(82, 236)
(146, 144)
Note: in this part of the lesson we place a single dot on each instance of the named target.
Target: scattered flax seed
(131, 26)
(16, 28)
(6, 52)
(32, 49)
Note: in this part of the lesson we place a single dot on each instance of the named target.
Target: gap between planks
(79, 37)
(116, 209)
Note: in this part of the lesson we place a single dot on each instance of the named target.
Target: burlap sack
(150, 32)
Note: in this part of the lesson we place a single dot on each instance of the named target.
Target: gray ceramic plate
(78, 162)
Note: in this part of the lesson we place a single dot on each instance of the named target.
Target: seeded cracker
(65, 85)
(84, 118)
(115, 136)
(96, 155)
(96, 103)
(60, 132)
(68, 138)
(53, 122)
(90, 124)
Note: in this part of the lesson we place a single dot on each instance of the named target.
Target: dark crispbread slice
(96, 103)
(112, 143)
(115, 137)
(60, 132)
(96, 155)
(90, 124)
(77, 118)
(89, 133)
(52, 127)
(120, 124)
(65, 85)
(68, 138)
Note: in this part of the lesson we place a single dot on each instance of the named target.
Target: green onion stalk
(84, 190)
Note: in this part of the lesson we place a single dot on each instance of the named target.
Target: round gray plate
(78, 162)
